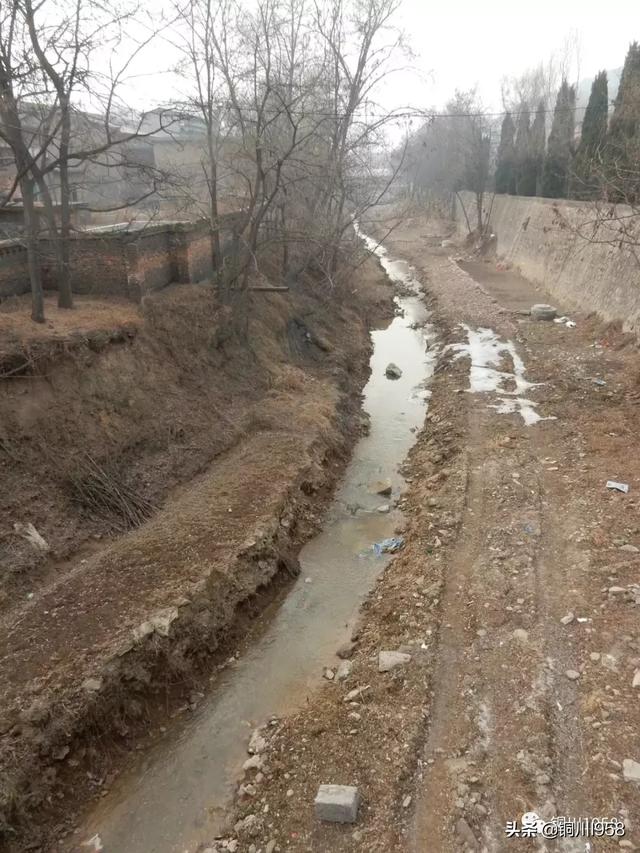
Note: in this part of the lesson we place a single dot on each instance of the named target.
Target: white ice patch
(487, 352)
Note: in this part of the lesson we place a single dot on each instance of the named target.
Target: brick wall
(192, 252)
(98, 266)
(118, 262)
(151, 259)
(14, 272)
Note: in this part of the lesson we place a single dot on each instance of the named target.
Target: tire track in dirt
(525, 753)
(448, 727)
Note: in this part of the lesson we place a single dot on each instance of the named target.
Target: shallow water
(175, 796)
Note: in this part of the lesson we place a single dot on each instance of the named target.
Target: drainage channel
(175, 796)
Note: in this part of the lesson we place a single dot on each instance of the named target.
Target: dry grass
(102, 491)
(89, 314)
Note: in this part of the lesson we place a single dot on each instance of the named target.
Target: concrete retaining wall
(538, 236)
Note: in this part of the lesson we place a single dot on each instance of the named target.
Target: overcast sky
(467, 42)
(461, 44)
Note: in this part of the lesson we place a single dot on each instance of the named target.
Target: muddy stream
(174, 796)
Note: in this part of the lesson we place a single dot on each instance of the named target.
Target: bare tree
(15, 68)
(452, 152)
(284, 88)
(48, 58)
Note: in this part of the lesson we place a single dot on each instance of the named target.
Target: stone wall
(117, 261)
(539, 237)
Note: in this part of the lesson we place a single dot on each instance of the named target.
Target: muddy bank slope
(172, 472)
(515, 597)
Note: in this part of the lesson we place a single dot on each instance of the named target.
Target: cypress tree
(538, 138)
(505, 164)
(623, 147)
(525, 168)
(587, 172)
(557, 163)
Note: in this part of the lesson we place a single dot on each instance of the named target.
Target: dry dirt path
(515, 596)
(510, 730)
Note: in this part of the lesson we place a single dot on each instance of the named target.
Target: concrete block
(390, 660)
(337, 803)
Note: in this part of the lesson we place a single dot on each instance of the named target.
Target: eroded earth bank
(513, 602)
(159, 476)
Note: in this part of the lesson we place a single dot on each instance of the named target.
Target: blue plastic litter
(388, 546)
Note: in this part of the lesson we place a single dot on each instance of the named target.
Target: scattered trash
(95, 843)
(565, 321)
(599, 382)
(389, 546)
(630, 770)
(337, 803)
(392, 371)
(28, 532)
(542, 311)
(384, 508)
(356, 693)
(619, 487)
(568, 619)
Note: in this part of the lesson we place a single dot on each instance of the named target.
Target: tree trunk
(285, 242)
(464, 210)
(479, 200)
(33, 257)
(65, 296)
(213, 193)
(335, 256)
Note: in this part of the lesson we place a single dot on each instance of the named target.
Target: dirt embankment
(516, 597)
(172, 472)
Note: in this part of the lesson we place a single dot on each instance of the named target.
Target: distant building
(144, 166)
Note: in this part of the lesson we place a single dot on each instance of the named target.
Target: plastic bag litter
(565, 321)
(388, 546)
(619, 487)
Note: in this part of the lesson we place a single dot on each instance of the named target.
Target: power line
(368, 116)
(408, 113)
